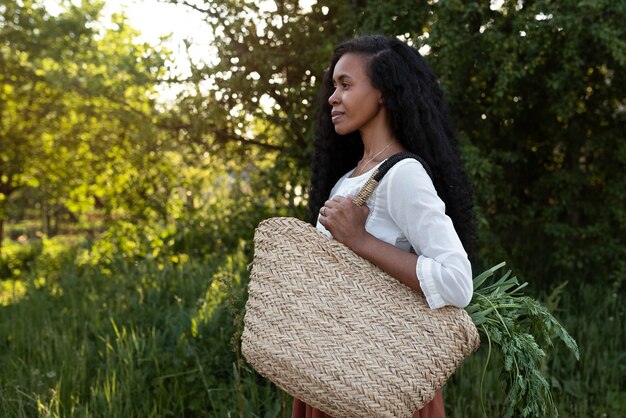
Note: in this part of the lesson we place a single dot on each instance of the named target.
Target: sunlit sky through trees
(157, 19)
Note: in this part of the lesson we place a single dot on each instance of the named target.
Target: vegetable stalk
(520, 328)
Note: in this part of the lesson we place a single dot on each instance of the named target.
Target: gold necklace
(370, 160)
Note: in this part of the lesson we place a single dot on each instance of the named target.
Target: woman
(379, 98)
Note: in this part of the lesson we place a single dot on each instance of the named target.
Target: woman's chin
(340, 130)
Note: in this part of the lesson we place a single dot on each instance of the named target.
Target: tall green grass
(130, 338)
(157, 336)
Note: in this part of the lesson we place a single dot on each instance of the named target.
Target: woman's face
(355, 102)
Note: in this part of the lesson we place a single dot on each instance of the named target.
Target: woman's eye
(344, 86)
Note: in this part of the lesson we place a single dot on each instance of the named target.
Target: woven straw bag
(335, 331)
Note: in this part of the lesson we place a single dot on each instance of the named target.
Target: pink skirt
(433, 409)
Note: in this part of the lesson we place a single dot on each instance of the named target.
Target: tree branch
(226, 136)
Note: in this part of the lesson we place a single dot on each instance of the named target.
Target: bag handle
(371, 183)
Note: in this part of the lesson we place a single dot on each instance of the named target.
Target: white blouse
(406, 211)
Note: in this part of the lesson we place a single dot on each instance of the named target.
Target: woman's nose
(334, 98)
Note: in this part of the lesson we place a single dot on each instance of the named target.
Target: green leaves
(535, 89)
(521, 329)
(76, 114)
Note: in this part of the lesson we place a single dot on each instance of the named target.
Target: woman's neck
(375, 138)
(378, 144)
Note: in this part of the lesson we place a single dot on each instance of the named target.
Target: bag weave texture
(335, 331)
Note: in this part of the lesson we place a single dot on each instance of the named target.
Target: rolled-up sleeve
(443, 268)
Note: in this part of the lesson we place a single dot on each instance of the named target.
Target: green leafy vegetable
(521, 328)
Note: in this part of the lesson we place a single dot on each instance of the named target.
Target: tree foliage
(76, 114)
(271, 56)
(536, 89)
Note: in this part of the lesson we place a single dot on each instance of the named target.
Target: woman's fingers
(332, 205)
(338, 202)
(343, 219)
(334, 202)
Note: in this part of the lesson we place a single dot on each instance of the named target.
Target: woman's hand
(345, 220)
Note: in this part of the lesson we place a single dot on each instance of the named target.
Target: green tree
(78, 120)
(536, 89)
(262, 99)
(539, 93)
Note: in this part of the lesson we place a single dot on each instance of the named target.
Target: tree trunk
(1, 234)
(57, 221)
(45, 218)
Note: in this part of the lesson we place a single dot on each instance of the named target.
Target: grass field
(157, 337)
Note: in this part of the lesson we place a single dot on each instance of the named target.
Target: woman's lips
(335, 114)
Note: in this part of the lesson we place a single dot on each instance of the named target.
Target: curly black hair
(419, 119)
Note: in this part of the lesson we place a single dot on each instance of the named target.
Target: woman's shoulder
(408, 179)
(408, 168)
(407, 184)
